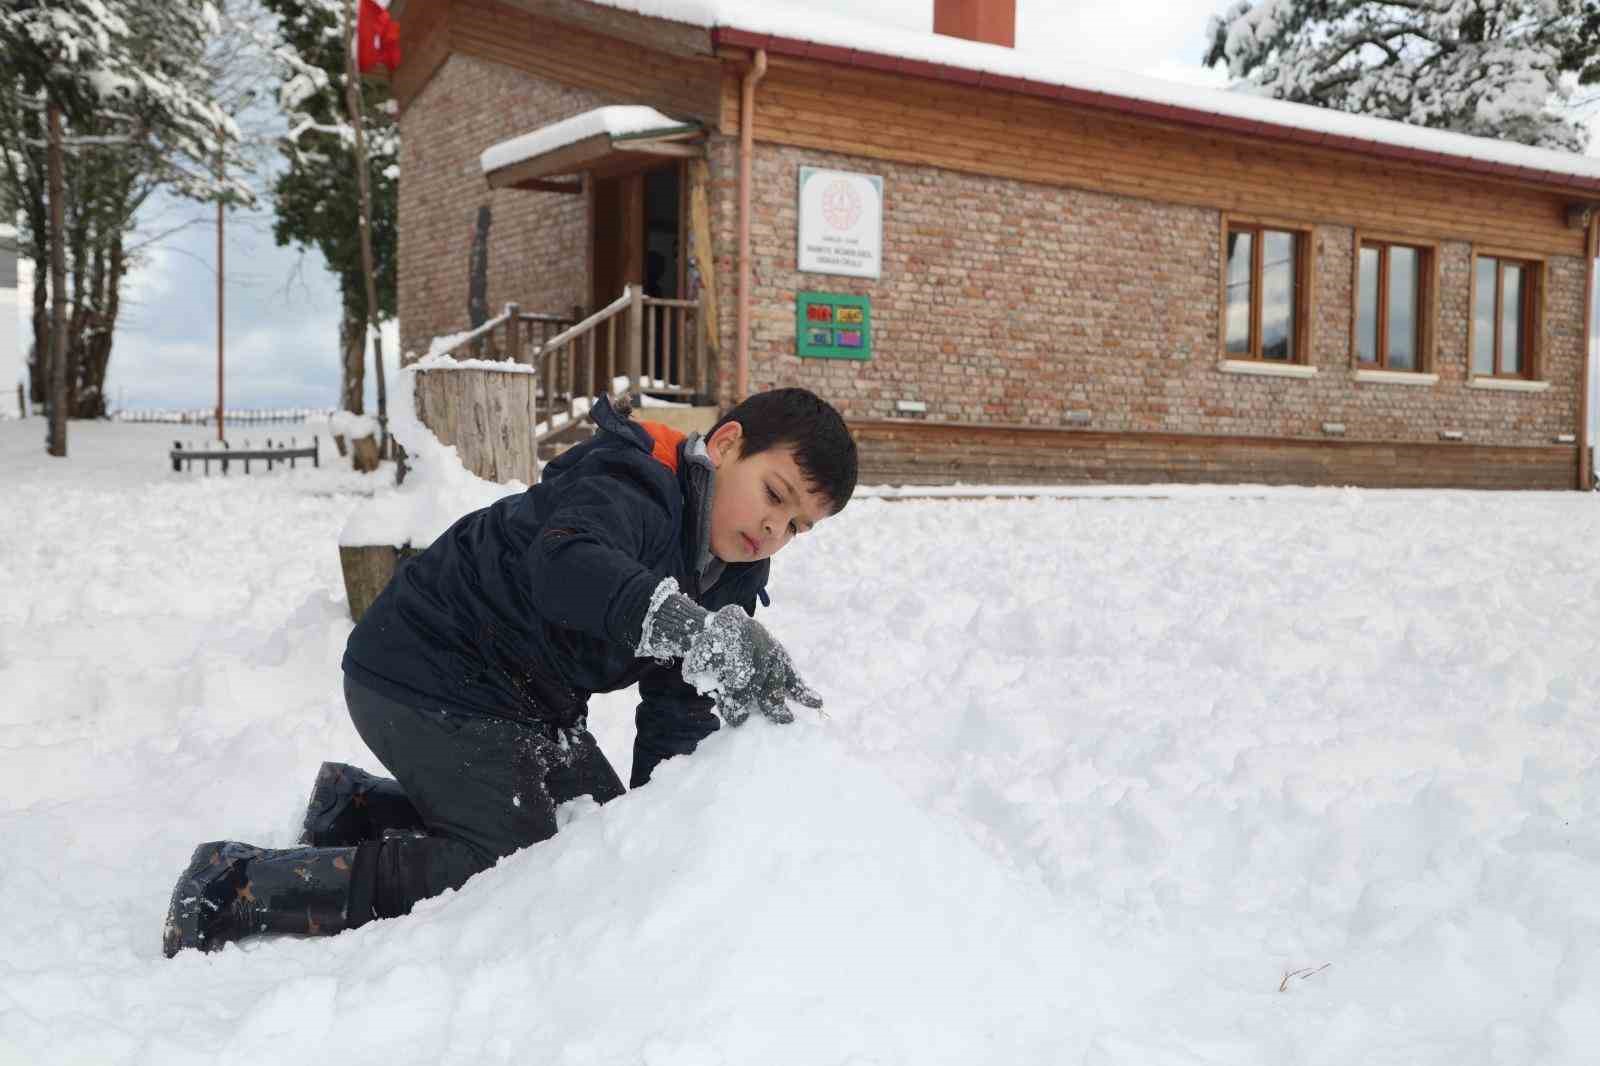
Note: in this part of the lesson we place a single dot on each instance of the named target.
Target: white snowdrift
(1301, 778)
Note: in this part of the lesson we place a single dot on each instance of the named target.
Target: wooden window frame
(1427, 301)
(1305, 234)
(1534, 268)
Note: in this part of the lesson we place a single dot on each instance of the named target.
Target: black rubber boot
(349, 805)
(231, 891)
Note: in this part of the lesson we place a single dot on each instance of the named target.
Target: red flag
(377, 38)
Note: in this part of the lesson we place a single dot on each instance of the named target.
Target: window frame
(1532, 298)
(1427, 301)
(1305, 258)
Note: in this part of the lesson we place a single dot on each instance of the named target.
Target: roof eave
(732, 37)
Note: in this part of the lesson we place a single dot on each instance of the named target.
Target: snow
(346, 424)
(438, 489)
(1101, 781)
(615, 121)
(800, 22)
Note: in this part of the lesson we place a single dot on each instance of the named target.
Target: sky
(281, 329)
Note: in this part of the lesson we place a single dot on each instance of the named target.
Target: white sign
(841, 222)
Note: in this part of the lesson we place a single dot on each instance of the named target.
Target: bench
(283, 453)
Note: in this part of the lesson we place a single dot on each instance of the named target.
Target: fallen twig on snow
(1303, 973)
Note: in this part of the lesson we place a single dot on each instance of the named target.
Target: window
(1394, 312)
(1264, 294)
(1504, 316)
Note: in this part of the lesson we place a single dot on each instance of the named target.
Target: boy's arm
(671, 719)
(585, 567)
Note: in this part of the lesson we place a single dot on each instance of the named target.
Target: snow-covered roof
(782, 25)
(619, 123)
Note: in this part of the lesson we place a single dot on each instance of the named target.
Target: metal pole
(221, 272)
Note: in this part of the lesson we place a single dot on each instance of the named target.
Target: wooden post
(58, 291)
(635, 336)
(22, 401)
(513, 334)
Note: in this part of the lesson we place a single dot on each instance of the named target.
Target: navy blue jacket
(523, 609)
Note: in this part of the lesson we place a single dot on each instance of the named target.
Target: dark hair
(799, 419)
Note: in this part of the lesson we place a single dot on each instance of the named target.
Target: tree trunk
(39, 357)
(58, 295)
(79, 221)
(97, 346)
(88, 283)
(353, 348)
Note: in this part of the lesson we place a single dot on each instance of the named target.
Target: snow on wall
(802, 23)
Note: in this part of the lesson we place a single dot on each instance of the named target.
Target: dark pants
(484, 788)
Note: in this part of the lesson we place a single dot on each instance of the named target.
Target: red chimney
(988, 21)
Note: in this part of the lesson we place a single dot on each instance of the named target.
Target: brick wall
(1001, 302)
(1015, 303)
(538, 241)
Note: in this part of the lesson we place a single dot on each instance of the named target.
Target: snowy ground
(1099, 778)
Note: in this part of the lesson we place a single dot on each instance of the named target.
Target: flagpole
(221, 226)
(363, 179)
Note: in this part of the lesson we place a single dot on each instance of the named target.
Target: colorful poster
(833, 325)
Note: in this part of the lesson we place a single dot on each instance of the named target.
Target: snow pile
(618, 121)
(1300, 777)
(352, 426)
(438, 489)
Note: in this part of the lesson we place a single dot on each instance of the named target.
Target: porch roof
(603, 141)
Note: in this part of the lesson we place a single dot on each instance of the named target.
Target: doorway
(639, 239)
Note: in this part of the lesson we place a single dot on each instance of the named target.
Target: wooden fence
(231, 416)
(634, 344)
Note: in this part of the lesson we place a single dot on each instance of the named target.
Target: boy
(638, 557)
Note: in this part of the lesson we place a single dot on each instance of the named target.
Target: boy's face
(761, 502)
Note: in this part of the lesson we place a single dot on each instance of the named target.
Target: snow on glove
(728, 654)
(737, 659)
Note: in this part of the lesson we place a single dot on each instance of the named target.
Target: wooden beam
(574, 187)
(569, 159)
(675, 149)
(661, 35)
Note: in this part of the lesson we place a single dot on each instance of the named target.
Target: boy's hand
(739, 662)
(728, 654)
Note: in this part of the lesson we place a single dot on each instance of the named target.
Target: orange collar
(664, 440)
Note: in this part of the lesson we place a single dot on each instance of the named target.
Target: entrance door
(638, 227)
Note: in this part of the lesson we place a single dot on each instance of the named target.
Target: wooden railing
(635, 343)
(674, 350)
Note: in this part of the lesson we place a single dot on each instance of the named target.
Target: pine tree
(1492, 68)
(316, 196)
(103, 101)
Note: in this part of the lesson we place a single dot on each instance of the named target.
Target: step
(684, 419)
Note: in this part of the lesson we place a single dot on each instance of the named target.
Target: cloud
(1140, 36)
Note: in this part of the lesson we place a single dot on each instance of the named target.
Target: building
(1000, 269)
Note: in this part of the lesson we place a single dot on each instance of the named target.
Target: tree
(317, 196)
(103, 100)
(1492, 68)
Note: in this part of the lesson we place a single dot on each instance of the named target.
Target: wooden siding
(927, 453)
(986, 131)
(425, 28)
(681, 86)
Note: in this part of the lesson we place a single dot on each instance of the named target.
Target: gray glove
(727, 654)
